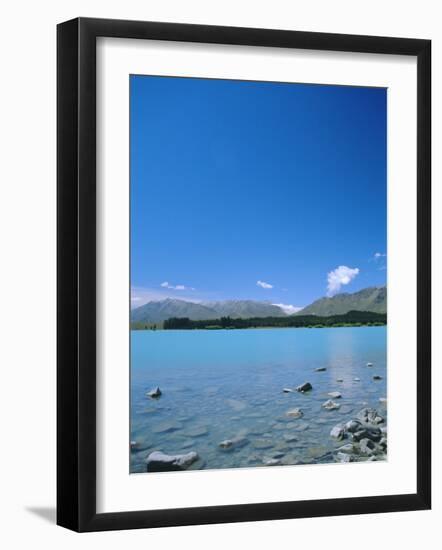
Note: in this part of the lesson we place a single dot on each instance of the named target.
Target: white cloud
(175, 287)
(262, 284)
(379, 255)
(288, 308)
(340, 276)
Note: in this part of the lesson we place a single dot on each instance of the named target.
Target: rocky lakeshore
(290, 438)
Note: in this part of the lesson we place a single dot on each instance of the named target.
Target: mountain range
(369, 299)
(154, 312)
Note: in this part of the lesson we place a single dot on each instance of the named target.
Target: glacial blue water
(222, 384)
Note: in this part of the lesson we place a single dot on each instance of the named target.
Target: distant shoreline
(349, 319)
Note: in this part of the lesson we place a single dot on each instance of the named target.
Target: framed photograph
(243, 274)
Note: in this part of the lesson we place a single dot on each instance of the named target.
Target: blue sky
(255, 190)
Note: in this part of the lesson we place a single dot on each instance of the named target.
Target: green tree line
(352, 318)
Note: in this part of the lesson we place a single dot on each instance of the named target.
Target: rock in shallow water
(295, 413)
(167, 426)
(353, 426)
(370, 416)
(374, 434)
(330, 405)
(344, 457)
(304, 387)
(335, 394)
(161, 462)
(366, 446)
(155, 393)
(234, 443)
(338, 432)
(263, 444)
(321, 369)
(196, 431)
(348, 449)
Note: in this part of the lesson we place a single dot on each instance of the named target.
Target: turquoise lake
(224, 384)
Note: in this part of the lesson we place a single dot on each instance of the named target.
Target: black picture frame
(76, 274)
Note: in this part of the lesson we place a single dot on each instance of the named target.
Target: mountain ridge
(372, 299)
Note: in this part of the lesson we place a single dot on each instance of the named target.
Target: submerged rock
(304, 387)
(134, 445)
(263, 444)
(369, 364)
(356, 379)
(295, 413)
(155, 393)
(158, 461)
(377, 377)
(166, 426)
(288, 390)
(330, 405)
(196, 431)
(383, 401)
(236, 404)
(339, 379)
(335, 394)
(321, 369)
(234, 443)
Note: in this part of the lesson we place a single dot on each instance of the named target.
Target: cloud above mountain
(175, 287)
(263, 284)
(288, 308)
(339, 277)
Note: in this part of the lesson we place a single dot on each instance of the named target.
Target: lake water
(222, 384)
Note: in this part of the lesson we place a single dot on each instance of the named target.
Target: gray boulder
(158, 461)
(374, 434)
(155, 393)
(335, 394)
(344, 457)
(348, 449)
(353, 426)
(338, 432)
(366, 446)
(304, 387)
(370, 416)
(330, 405)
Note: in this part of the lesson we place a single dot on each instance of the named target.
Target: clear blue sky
(235, 183)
